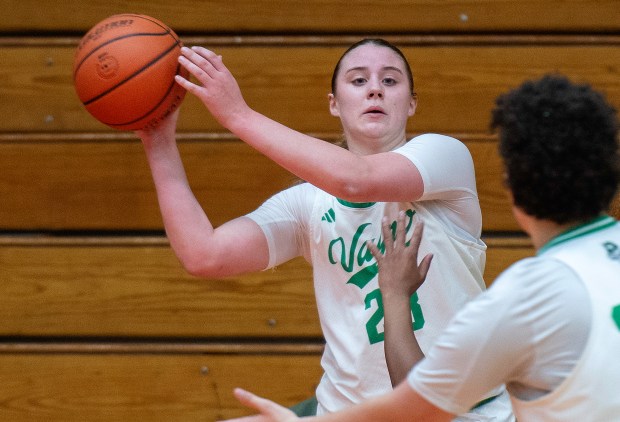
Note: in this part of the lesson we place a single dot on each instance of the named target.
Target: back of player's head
(559, 144)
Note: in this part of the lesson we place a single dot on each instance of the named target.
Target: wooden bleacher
(99, 320)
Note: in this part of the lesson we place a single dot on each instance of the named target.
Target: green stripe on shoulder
(599, 223)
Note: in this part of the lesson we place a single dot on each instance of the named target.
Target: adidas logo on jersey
(329, 216)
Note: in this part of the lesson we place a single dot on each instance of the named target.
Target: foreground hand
(218, 89)
(399, 272)
(269, 411)
(165, 130)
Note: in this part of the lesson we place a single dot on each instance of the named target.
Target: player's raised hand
(399, 272)
(217, 88)
(269, 411)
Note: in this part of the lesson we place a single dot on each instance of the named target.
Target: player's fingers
(196, 64)
(189, 86)
(199, 73)
(374, 250)
(255, 418)
(203, 52)
(214, 60)
(424, 266)
(401, 233)
(248, 399)
(264, 406)
(386, 232)
(416, 237)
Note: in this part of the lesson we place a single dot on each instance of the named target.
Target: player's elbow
(353, 188)
(353, 193)
(202, 265)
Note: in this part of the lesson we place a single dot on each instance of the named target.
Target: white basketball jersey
(592, 391)
(332, 235)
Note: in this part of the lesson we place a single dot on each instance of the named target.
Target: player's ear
(413, 104)
(333, 105)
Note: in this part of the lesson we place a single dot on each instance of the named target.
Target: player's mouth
(374, 110)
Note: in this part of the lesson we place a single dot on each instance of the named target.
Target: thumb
(273, 411)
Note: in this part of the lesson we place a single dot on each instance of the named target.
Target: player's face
(373, 96)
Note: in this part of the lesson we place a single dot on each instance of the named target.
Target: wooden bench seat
(121, 386)
(313, 16)
(136, 288)
(132, 336)
(456, 83)
(98, 183)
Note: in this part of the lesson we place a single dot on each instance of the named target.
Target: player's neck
(545, 231)
(539, 231)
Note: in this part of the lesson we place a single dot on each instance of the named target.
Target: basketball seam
(140, 70)
(151, 110)
(100, 46)
(153, 20)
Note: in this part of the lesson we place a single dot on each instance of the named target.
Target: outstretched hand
(218, 89)
(399, 272)
(269, 411)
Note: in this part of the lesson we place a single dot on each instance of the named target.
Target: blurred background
(99, 322)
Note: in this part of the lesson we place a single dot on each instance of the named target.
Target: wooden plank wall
(99, 321)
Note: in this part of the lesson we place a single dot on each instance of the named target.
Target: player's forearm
(187, 226)
(327, 166)
(402, 350)
(401, 404)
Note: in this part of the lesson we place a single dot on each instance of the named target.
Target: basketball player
(329, 219)
(549, 327)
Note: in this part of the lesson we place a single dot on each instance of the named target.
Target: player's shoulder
(533, 273)
(436, 139)
(296, 195)
(440, 144)
(299, 193)
(300, 188)
(425, 137)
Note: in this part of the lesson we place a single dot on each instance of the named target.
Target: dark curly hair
(558, 141)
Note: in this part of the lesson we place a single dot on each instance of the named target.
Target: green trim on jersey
(597, 224)
(355, 204)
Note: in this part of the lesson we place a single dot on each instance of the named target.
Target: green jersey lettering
(357, 255)
(372, 326)
(615, 315)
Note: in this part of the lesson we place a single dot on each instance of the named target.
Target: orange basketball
(124, 69)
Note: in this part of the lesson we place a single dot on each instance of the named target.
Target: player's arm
(399, 278)
(402, 403)
(335, 170)
(235, 247)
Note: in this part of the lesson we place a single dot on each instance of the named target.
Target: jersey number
(372, 326)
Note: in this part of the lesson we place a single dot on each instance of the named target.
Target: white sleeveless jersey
(331, 234)
(592, 391)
